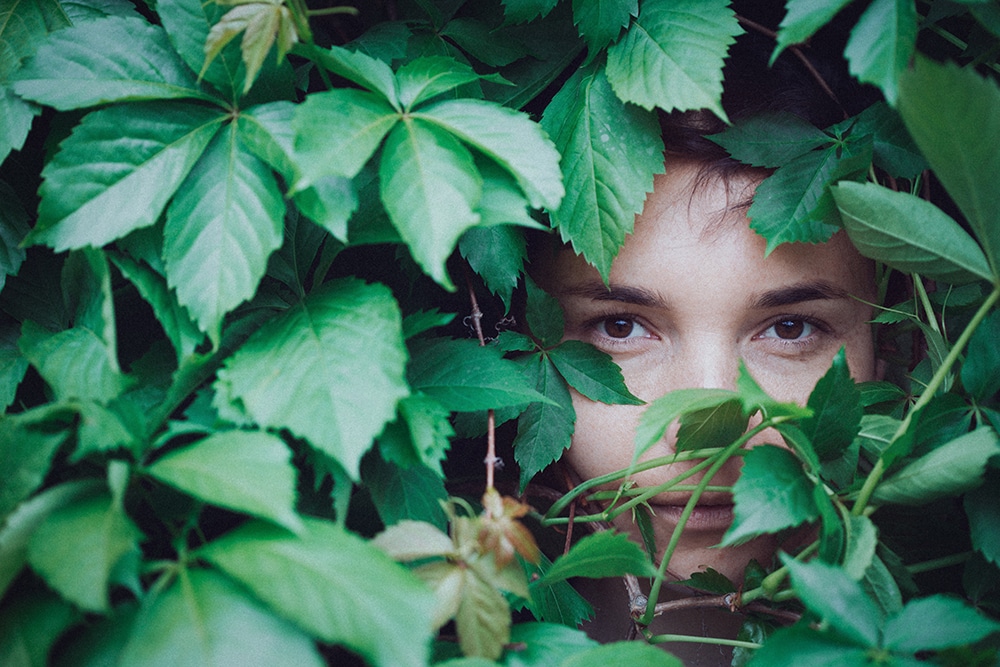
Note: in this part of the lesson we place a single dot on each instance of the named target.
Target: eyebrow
(637, 296)
(793, 294)
(776, 298)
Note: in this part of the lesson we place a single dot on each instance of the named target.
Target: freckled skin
(709, 298)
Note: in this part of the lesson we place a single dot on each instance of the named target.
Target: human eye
(792, 329)
(618, 329)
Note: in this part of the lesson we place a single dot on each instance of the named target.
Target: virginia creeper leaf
(770, 139)
(603, 554)
(245, 471)
(909, 233)
(634, 654)
(334, 585)
(522, 11)
(221, 228)
(350, 330)
(262, 24)
(715, 426)
(13, 366)
(482, 619)
(543, 314)
(592, 373)
(510, 138)
(951, 114)
(413, 540)
(558, 603)
(497, 254)
(664, 410)
(23, 26)
(671, 57)
(984, 522)
(358, 67)
(75, 363)
(490, 45)
(76, 547)
(601, 21)
(31, 624)
(427, 77)
(610, 152)
(398, 493)
(544, 431)
(882, 43)
(429, 187)
(25, 456)
(79, 11)
(772, 493)
(803, 18)
(836, 406)
(205, 619)
(934, 623)
(790, 647)
(13, 229)
(546, 643)
(981, 370)
(893, 149)
(117, 171)
(110, 60)
(188, 24)
(17, 114)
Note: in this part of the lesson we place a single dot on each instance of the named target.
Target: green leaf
(100, 429)
(110, 60)
(80, 11)
(633, 654)
(712, 427)
(522, 11)
(411, 493)
(934, 623)
(837, 412)
(23, 26)
(466, 377)
(262, 24)
(427, 77)
(77, 547)
(949, 470)
(334, 585)
(492, 46)
(543, 314)
(837, 599)
(413, 540)
(984, 521)
(672, 55)
(592, 373)
(23, 522)
(86, 287)
(427, 422)
(908, 233)
(952, 115)
(772, 493)
(981, 370)
(771, 139)
(794, 203)
(803, 18)
(358, 67)
(510, 138)
(188, 24)
(30, 625)
(362, 120)
(13, 366)
(558, 602)
(799, 645)
(610, 152)
(859, 551)
(13, 228)
(601, 21)
(545, 644)
(352, 331)
(205, 619)
(117, 171)
(664, 410)
(221, 228)
(75, 363)
(544, 430)
(429, 187)
(882, 43)
(18, 115)
(602, 554)
(497, 254)
(483, 618)
(26, 451)
(893, 149)
(245, 471)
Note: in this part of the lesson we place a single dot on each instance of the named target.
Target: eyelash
(820, 327)
(596, 325)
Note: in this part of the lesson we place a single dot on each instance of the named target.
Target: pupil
(789, 329)
(618, 327)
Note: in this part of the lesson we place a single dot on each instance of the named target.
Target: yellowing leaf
(262, 23)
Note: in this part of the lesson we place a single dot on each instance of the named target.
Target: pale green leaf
(663, 411)
(836, 598)
(109, 60)
(859, 552)
(430, 188)
(672, 55)
(350, 330)
(117, 171)
(221, 228)
(882, 43)
(188, 24)
(603, 554)
(592, 373)
(483, 618)
(909, 233)
(358, 67)
(544, 431)
(75, 363)
(934, 623)
(772, 493)
(413, 540)
(262, 23)
(77, 547)
(100, 429)
(424, 78)
(803, 19)
(21, 524)
(430, 429)
(204, 619)
(245, 471)
(334, 585)
(510, 138)
(715, 426)
(601, 21)
(633, 654)
(30, 625)
(953, 116)
(949, 470)
(13, 228)
(362, 120)
(610, 152)
(545, 644)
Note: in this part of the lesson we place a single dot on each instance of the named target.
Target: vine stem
(476, 316)
(875, 475)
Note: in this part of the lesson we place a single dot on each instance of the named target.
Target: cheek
(604, 437)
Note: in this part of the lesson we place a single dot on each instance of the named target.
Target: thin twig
(491, 443)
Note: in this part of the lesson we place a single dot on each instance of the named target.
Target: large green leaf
(75, 363)
(80, 11)
(801, 644)
(76, 548)
(882, 43)
(934, 623)
(17, 115)
(507, 136)
(909, 233)
(772, 493)
(117, 171)
(110, 60)
(414, 493)
(245, 471)
(610, 152)
(352, 332)
(951, 469)
(204, 619)
(603, 554)
(672, 55)
(601, 21)
(25, 457)
(430, 188)
(836, 406)
(592, 373)
(334, 585)
(188, 23)
(465, 376)
(361, 119)
(714, 426)
(981, 370)
(664, 410)
(358, 67)
(23, 25)
(954, 116)
(427, 77)
(836, 598)
(497, 254)
(544, 431)
(771, 139)
(221, 228)
(804, 17)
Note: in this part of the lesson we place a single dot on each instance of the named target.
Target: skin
(691, 294)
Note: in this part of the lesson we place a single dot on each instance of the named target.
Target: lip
(704, 518)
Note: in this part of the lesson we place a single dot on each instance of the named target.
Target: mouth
(706, 517)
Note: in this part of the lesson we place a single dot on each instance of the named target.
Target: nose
(708, 362)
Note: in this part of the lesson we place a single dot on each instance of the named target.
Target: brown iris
(618, 327)
(789, 329)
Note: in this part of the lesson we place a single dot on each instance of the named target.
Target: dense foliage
(237, 242)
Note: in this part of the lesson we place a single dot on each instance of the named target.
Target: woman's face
(691, 295)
